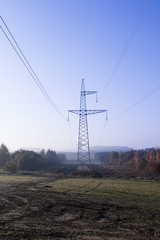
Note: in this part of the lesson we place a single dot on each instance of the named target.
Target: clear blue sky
(65, 41)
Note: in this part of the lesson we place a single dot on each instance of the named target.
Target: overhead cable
(131, 107)
(138, 102)
(127, 44)
(27, 65)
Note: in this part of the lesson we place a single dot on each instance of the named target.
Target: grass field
(106, 187)
(5, 179)
(144, 194)
(80, 209)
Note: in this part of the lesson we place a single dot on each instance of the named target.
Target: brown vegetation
(146, 162)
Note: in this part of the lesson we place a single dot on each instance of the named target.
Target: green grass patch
(6, 179)
(145, 194)
(149, 189)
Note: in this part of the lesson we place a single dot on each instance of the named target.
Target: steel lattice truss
(83, 158)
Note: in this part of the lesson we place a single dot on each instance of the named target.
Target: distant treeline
(25, 160)
(147, 160)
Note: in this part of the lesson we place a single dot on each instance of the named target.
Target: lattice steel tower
(83, 157)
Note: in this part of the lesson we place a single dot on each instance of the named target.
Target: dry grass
(5, 179)
(103, 187)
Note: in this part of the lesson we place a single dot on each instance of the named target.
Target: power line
(102, 132)
(71, 137)
(127, 44)
(138, 102)
(28, 67)
(131, 107)
(86, 38)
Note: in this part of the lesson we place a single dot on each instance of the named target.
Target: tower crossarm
(86, 112)
(88, 92)
(74, 111)
(89, 112)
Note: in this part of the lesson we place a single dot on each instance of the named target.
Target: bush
(153, 168)
(10, 167)
(141, 165)
(96, 174)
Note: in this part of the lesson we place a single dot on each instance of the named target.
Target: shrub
(10, 167)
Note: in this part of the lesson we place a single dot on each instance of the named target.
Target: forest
(25, 160)
(146, 161)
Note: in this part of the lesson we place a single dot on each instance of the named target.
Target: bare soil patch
(28, 211)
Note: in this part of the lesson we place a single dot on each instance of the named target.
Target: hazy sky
(65, 41)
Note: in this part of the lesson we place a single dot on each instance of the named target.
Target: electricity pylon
(83, 157)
